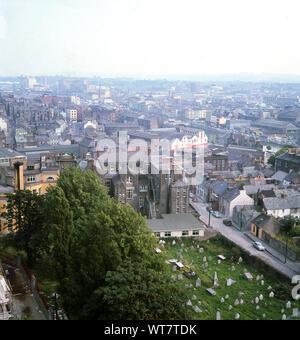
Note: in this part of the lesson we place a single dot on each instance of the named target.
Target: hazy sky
(149, 37)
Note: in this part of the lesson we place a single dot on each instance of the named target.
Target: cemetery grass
(210, 305)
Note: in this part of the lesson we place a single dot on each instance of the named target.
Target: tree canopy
(101, 252)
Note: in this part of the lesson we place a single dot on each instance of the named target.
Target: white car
(258, 246)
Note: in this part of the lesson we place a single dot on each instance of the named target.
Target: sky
(149, 37)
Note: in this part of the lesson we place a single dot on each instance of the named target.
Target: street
(276, 260)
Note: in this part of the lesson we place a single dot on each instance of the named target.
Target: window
(30, 179)
(167, 234)
(30, 167)
(141, 202)
(50, 179)
(129, 194)
(195, 232)
(157, 234)
(129, 180)
(185, 233)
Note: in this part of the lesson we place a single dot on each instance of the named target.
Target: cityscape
(145, 194)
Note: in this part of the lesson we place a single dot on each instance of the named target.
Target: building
(264, 223)
(290, 160)
(231, 198)
(176, 225)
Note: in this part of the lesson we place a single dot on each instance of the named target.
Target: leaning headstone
(248, 276)
(211, 291)
(236, 302)
(197, 309)
(230, 282)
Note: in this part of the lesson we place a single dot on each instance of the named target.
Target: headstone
(241, 301)
(215, 280)
(236, 302)
(237, 316)
(209, 258)
(257, 307)
(222, 300)
(201, 250)
(257, 278)
(295, 312)
(204, 259)
(233, 268)
(198, 282)
(248, 276)
(230, 307)
(269, 288)
(283, 317)
(221, 257)
(226, 296)
(173, 243)
(240, 260)
(271, 295)
(230, 282)
(261, 297)
(211, 291)
(174, 268)
(198, 310)
(256, 300)
(240, 294)
(189, 303)
(219, 261)
(179, 276)
(262, 282)
(182, 245)
(173, 277)
(199, 303)
(218, 316)
(288, 305)
(194, 297)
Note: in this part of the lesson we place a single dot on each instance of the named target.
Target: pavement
(245, 241)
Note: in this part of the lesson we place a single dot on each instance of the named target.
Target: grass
(251, 289)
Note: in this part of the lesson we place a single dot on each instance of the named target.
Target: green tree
(135, 292)
(287, 224)
(26, 218)
(92, 235)
(271, 160)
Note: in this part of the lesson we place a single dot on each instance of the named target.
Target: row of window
(183, 233)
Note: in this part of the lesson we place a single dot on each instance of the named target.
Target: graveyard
(222, 286)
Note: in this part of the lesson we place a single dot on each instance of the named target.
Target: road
(276, 260)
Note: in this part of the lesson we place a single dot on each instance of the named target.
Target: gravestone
(189, 303)
(226, 296)
(271, 295)
(173, 243)
(230, 282)
(261, 297)
(248, 276)
(237, 316)
(256, 300)
(222, 300)
(236, 302)
(194, 297)
(283, 317)
(218, 316)
(179, 276)
(211, 291)
(204, 259)
(197, 309)
(257, 307)
(174, 268)
(198, 282)
(230, 307)
(215, 280)
(295, 312)
(262, 282)
(288, 305)
(240, 260)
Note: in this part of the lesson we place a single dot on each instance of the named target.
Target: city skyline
(146, 39)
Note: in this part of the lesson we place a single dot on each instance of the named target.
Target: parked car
(228, 223)
(258, 246)
(216, 214)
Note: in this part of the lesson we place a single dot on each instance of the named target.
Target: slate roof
(279, 176)
(230, 194)
(276, 203)
(172, 222)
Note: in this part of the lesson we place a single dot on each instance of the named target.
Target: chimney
(19, 178)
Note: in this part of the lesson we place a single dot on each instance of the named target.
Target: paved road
(289, 269)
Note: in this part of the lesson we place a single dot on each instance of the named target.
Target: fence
(38, 296)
